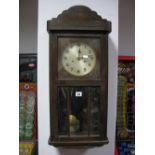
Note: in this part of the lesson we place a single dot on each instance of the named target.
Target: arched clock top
(79, 18)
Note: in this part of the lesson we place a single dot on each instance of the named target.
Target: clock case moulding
(75, 21)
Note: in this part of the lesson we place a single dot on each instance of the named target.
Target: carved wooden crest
(79, 18)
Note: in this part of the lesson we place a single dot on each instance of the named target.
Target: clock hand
(79, 54)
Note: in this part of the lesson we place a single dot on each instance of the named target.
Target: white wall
(47, 10)
(127, 27)
(28, 26)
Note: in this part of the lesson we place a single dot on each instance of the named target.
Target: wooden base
(78, 143)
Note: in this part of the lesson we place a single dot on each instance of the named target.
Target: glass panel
(78, 110)
(78, 116)
(62, 111)
(94, 110)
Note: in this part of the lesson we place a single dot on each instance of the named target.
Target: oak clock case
(78, 41)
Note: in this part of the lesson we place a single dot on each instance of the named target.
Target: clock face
(78, 59)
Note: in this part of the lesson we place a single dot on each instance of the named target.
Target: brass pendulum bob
(73, 124)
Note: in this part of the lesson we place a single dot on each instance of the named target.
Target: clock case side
(78, 19)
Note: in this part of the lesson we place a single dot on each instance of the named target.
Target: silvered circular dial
(78, 59)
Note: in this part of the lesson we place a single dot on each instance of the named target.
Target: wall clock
(78, 41)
